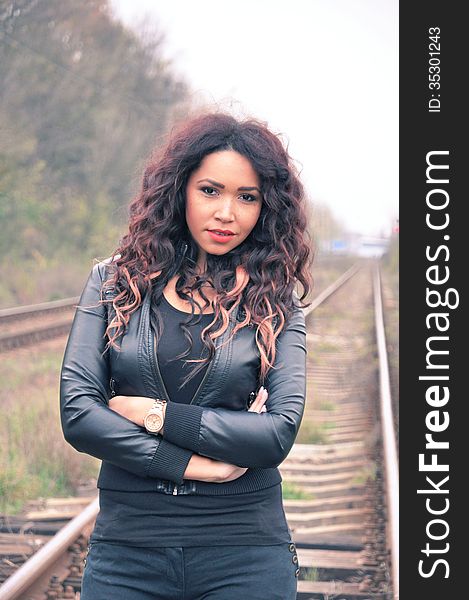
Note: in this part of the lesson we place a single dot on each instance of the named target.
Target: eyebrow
(220, 185)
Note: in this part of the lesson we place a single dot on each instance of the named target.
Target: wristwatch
(154, 419)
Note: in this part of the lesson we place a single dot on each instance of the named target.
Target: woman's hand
(133, 408)
(202, 468)
(258, 405)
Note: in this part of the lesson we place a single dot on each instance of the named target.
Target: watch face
(153, 422)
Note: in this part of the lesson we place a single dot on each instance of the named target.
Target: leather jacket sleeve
(249, 439)
(88, 423)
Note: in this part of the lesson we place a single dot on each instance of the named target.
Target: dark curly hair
(259, 274)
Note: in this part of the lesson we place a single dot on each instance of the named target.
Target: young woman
(184, 372)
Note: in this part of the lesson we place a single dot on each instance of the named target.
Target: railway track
(338, 489)
(342, 531)
(25, 325)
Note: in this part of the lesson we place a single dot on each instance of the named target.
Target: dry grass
(312, 432)
(294, 492)
(35, 460)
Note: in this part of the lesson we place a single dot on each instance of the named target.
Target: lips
(222, 231)
(220, 236)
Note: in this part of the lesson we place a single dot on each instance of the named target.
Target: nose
(225, 212)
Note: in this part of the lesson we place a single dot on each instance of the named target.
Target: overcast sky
(322, 72)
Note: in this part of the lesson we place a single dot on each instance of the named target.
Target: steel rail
(34, 567)
(331, 289)
(23, 312)
(389, 437)
(9, 341)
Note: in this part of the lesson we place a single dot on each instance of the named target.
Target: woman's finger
(259, 402)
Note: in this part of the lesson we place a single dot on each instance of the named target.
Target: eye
(248, 197)
(210, 191)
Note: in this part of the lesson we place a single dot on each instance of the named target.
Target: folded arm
(249, 439)
(88, 423)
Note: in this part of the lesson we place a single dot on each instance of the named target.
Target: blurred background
(89, 88)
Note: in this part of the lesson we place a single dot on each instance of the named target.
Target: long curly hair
(259, 274)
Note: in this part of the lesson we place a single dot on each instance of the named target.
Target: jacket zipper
(158, 372)
(207, 371)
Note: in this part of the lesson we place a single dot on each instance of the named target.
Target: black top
(153, 519)
(172, 343)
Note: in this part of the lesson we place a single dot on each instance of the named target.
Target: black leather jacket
(215, 424)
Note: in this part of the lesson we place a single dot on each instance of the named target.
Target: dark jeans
(115, 572)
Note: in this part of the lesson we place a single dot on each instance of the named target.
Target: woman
(190, 494)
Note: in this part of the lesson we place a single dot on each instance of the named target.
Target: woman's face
(222, 194)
